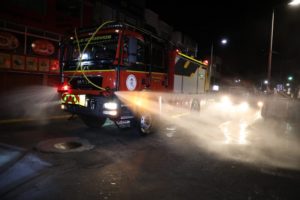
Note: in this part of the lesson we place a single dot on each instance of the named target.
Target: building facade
(30, 32)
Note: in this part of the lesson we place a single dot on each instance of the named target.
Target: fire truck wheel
(195, 105)
(93, 122)
(145, 124)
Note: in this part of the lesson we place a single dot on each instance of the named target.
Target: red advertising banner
(54, 65)
(5, 61)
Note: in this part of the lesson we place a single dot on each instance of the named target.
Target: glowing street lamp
(224, 42)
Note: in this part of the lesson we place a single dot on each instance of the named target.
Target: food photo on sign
(5, 61)
(8, 41)
(11, 42)
(18, 62)
(42, 47)
(31, 63)
(44, 64)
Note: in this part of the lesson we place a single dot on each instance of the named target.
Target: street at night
(176, 162)
(140, 99)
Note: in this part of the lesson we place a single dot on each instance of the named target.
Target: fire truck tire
(92, 122)
(195, 106)
(145, 124)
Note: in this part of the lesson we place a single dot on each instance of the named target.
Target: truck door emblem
(131, 82)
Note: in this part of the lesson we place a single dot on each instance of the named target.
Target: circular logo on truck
(131, 82)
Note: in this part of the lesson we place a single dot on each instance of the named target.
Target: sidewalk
(9, 154)
(17, 166)
(9, 115)
(36, 102)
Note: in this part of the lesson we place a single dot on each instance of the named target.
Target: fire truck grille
(84, 84)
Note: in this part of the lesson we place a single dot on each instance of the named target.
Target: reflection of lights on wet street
(225, 130)
(228, 129)
(170, 130)
(235, 132)
(243, 133)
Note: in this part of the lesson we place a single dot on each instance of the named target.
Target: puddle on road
(64, 145)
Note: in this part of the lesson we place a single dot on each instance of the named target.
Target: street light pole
(223, 42)
(211, 63)
(292, 3)
(270, 52)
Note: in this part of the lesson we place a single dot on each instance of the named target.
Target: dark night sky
(247, 26)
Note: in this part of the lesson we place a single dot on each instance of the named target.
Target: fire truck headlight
(84, 56)
(110, 105)
(110, 112)
(63, 107)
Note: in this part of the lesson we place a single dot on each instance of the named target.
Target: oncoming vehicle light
(110, 105)
(225, 100)
(215, 87)
(225, 104)
(243, 107)
(260, 104)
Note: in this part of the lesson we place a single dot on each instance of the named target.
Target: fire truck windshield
(99, 53)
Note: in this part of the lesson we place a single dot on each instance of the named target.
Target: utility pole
(211, 64)
(270, 53)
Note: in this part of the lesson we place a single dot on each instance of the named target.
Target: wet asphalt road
(123, 165)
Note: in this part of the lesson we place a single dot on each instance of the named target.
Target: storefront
(28, 56)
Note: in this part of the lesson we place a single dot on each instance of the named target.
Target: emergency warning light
(205, 62)
(64, 88)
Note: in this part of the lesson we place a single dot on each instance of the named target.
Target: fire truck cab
(98, 64)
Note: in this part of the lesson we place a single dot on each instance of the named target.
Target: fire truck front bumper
(91, 105)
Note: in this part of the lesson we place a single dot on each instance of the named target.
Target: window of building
(69, 7)
(29, 5)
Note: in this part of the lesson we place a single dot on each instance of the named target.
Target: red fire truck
(98, 64)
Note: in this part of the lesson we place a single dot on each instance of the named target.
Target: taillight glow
(64, 88)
